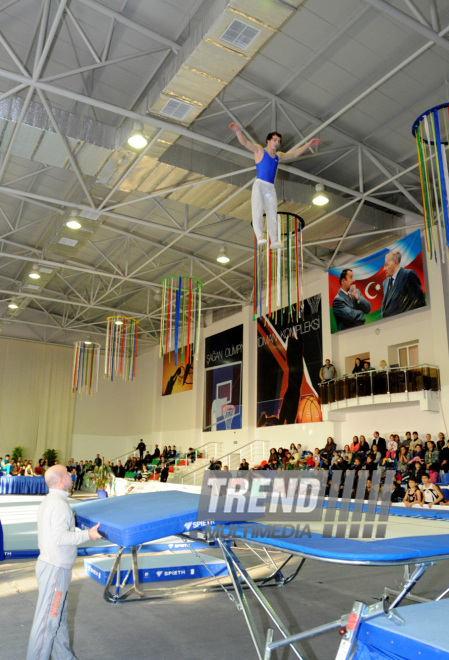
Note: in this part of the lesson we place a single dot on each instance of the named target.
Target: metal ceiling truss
(104, 284)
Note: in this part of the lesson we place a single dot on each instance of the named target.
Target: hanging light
(35, 275)
(13, 304)
(88, 341)
(137, 139)
(73, 222)
(223, 255)
(320, 198)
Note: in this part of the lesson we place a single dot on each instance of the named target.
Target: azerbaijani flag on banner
(369, 274)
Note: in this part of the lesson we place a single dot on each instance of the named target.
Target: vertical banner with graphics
(386, 283)
(177, 378)
(289, 358)
(223, 380)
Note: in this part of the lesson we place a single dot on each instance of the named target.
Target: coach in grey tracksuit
(57, 538)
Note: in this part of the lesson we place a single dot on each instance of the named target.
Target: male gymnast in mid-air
(263, 196)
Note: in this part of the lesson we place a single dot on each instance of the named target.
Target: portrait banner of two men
(384, 284)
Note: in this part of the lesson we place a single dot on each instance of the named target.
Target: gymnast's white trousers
(263, 198)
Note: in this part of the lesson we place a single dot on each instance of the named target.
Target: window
(408, 356)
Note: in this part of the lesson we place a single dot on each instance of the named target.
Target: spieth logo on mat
(349, 505)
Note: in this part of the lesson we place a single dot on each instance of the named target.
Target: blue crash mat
(135, 519)
(423, 635)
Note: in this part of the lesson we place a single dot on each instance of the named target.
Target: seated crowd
(134, 467)
(419, 465)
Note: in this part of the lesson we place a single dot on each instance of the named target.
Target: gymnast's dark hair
(344, 273)
(270, 135)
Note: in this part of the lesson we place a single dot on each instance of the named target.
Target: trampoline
(139, 518)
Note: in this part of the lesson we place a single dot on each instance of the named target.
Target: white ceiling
(75, 74)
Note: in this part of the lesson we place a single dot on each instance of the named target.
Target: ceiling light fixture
(88, 340)
(13, 304)
(137, 139)
(320, 198)
(34, 274)
(73, 222)
(223, 255)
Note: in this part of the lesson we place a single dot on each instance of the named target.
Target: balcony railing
(391, 381)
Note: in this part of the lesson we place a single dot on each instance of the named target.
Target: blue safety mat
(423, 635)
(135, 519)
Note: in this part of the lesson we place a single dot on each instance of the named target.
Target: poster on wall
(223, 380)
(177, 377)
(289, 358)
(384, 284)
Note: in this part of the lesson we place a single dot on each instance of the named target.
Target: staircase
(192, 475)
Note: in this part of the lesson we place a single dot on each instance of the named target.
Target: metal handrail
(232, 459)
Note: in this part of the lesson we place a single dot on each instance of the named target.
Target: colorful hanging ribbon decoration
(86, 366)
(431, 133)
(121, 348)
(180, 317)
(278, 274)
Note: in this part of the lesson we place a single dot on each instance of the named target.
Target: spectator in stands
(444, 457)
(432, 494)
(120, 470)
(5, 465)
(328, 450)
(392, 448)
(380, 442)
(38, 471)
(441, 441)
(419, 452)
(367, 488)
(165, 452)
(413, 442)
(397, 494)
(354, 447)
(431, 459)
(273, 458)
(412, 495)
(327, 371)
(407, 440)
(347, 455)
(401, 460)
(147, 458)
(364, 446)
(191, 454)
(370, 465)
(316, 458)
(416, 468)
(98, 462)
(28, 469)
(144, 474)
(357, 366)
(375, 455)
(244, 465)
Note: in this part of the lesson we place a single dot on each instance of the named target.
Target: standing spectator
(162, 468)
(120, 470)
(57, 538)
(432, 457)
(98, 462)
(327, 371)
(157, 452)
(357, 366)
(141, 448)
(80, 472)
(441, 441)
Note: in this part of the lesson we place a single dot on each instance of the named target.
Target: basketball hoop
(228, 412)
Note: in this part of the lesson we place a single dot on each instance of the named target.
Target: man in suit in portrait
(349, 305)
(402, 288)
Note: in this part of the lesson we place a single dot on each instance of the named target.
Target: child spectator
(392, 447)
